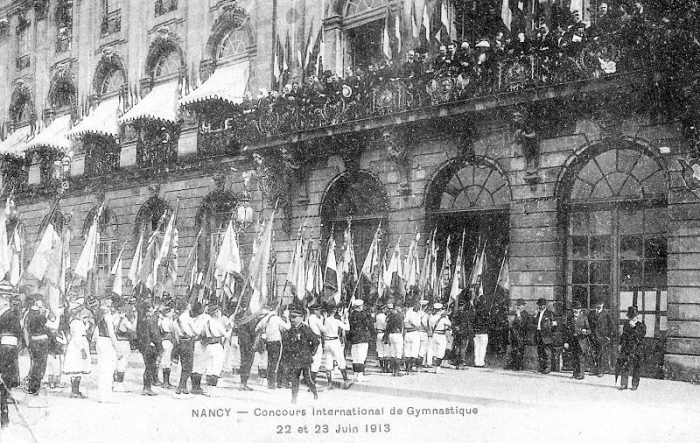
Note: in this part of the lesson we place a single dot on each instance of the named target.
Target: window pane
(655, 274)
(579, 247)
(649, 301)
(655, 220)
(600, 272)
(579, 223)
(600, 293)
(600, 247)
(579, 272)
(630, 222)
(630, 274)
(650, 323)
(631, 248)
(655, 248)
(601, 222)
(580, 293)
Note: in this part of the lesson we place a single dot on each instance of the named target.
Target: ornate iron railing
(277, 116)
(102, 155)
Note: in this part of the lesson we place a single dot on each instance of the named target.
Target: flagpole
(190, 256)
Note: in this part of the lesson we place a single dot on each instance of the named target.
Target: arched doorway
(472, 197)
(108, 248)
(614, 201)
(358, 198)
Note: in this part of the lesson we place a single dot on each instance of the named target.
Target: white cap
(423, 302)
(437, 306)
(358, 303)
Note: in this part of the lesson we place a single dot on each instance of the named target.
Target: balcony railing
(410, 87)
(101, 156)
(111, 23)
(158, 147)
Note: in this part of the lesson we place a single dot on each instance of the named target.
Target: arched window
(107, 249)
(364, 24)
(616, 244)
(359, 6)
(167, 64)
(232, 44)
(112, 82)
(472, 198)
(212, 218)
(21, 105)
(62, 94)
(358, 198)
(149, 215)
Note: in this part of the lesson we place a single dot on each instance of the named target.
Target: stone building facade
(578, 181)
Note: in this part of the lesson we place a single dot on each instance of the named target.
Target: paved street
(473, 405)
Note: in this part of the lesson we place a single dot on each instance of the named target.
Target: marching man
(438, 325)
(361, 331)
(332, 348)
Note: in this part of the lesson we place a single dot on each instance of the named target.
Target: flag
(167, 254)
(258, 268)
(331, 276)
(370, 267)
(426, 280)
(229, 259)
(136, 262)
(504, 276)
(444, 278)
(44, 253)
(458, 278)
(415, 29)
(348, 265)
(386, 42)
(65, 262)
(5, 249)
(411, 271)
(576, 5)
(86, 262)
(444, 30)
(117, 287)
(295, 271)
(394, 277)
(309, 47)
(397, 32)
(476, 274)
(506, 13)
(16, 271)
(148, 272)
(425, 23)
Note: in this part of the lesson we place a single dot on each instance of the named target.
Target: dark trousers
(8, 371)
(306, 372)
(247, 357)
(601, 355)
(461, 345)
(274, 349)
(186, 352)
(150, 356)
(39, 352)
(544, 354)
(633, 365)
(578, 356)
(517, 355)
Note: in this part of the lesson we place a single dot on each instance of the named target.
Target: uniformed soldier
(165, 323)
(38, 334)
(299, 345)
(215, 332)
(411, 349)
(423, 330)
(393, 336)
(577, 332)
(361, 332)
(438, 326)
(380, 328)
(333, 324)
(10, 335)
(315, 322)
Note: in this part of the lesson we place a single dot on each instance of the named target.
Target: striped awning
(227, 83)
(54, 136)
(102, 121)
(15, 142)
(160, 105)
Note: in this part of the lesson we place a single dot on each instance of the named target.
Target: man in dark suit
(518, 336)
(10, 336)
(299, 345)
(150, 344)
(602, 329)
(543, 335)
(577, 332)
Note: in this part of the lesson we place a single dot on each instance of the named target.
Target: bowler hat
(296, 312)
(576, 305)
(541, 301)
(632, 312)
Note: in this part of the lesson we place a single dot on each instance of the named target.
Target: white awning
(14, 144)
(54, 136)
(227, 84)
(102, 120)
(160, 104)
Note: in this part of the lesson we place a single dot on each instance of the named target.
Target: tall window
(112, 82)
(64, 26)
(617, 246)
(23, 46)
(107, 249)
(364, 21)
(232, 45)
(167, 64)
(164, 6)
(62, 94)
(111, 17)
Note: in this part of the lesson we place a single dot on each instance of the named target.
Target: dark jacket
(602, 327)
(148, 332)
(36, 322)
(632, 340)
(361, 327)
(518, 329)
(463, 323)
(394, 322)
(545, 332)
(299, 345)
(577, 328)
(482, 318)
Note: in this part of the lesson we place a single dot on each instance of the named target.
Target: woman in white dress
(77, 361)
(106, 351)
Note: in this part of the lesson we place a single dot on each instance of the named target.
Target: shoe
(315, 396)
(148, 392)
(546, 371)
(181, 391)
(78, 395)
(600, 374)
(245, 387)
(347, 384)
(197, 391)
(622, 388)
(579, 377)
(633, 388)
(5, 424)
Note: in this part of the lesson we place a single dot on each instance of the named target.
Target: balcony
(424, 91)
(111, 23)
(158, 146)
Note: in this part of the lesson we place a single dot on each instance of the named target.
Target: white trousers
(438, 345)
(53, 364)
(424, 344)
(411, 344)
(201, 359)
(123, 354)
(480, 343)
(382, 349)
(333, 350)
(106, 363)
(215, 353)
(166, 356)
(359, 353)
(396, 345)
(318, 357)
